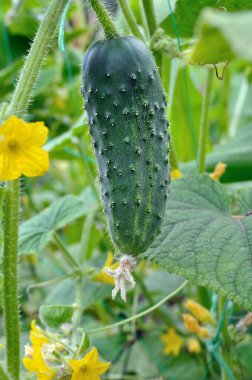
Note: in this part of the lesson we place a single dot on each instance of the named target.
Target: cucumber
(126, 108)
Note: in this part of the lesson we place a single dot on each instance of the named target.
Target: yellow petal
(101, 367)
(37, 365)
(176, 173)
(109, 260)
(193, 325)
(172, 342)
(30, 365)
(12, 126)
(88, 368)
(84, 376)
(34, 162)
(200, 312)
(8, 166)
(36, 134)
(20, 149)
(102, 276)
(218, 172)
(36, 336)
(91, 357)
(194, 346)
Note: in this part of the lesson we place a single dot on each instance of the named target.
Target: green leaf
(180, 118)
(38, 231)
(93, 293)
(244, 199)
(236, 153)
(244, 353)
(223, 36)
(53, 316)
(187, 12)
(202, 242)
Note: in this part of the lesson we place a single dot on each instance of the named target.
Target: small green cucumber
(126, 108)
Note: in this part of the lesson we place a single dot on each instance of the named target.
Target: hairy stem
(204, 123)
(129, 17)
(1, 215)
(105, 20)
(150, 15)
(18, 106)
(10, 272)
(35, 58)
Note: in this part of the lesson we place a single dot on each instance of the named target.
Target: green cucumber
(126, 108)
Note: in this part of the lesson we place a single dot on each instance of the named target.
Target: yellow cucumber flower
(172, 342)
(88, 368)
(36, 336)
(102, 276)
(36, 364)
(200, 312)
(193, 325)
(218, 172)
(21, 149)
(193, 346)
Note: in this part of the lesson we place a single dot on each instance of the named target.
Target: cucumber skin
(126, 108)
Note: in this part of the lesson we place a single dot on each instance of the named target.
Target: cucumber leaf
(53, 316)
(244, 199)
(38, 231)
(217, 41)
(236, 153)
(202, 242)
(187, 12)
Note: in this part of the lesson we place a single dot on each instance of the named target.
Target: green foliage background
(200, 239)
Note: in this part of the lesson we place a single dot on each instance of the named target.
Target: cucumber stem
(129, 17)
(64, 250)
(35, 59)
(141, 314)
(10, 273)
(204, 123)
(105, 20)
(150, 15)
(1, 215)
(18, 106)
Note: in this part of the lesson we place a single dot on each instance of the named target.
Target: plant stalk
(88, 169)
(64, 250)
(10, 272)
(129, 17)
(18, 106)
(86, 232)
(1, 215)
(35, 58)
(204, 123)
(150, 15)
(105, 20)
(141, 314)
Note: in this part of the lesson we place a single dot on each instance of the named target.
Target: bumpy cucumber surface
(126, 107)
